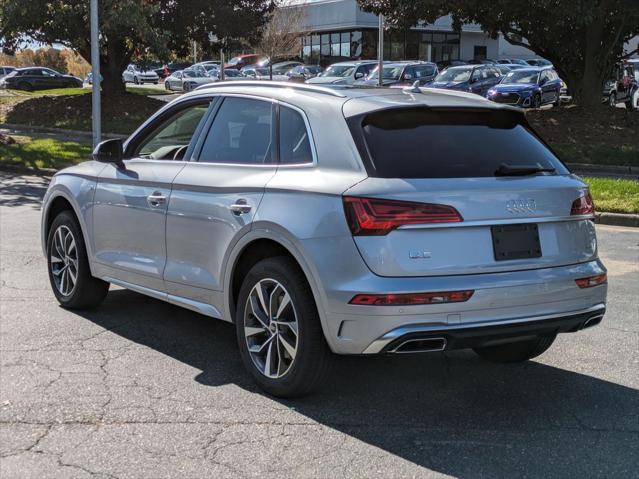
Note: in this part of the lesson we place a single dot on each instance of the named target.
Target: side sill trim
(197, 306)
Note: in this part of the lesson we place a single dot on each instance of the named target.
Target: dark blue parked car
(528, 87)
(473, 78)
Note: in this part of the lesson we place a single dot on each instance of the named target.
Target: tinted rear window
(426, 143)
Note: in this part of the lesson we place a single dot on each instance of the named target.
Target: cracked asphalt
(142, 389)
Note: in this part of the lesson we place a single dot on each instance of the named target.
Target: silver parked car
(322, 220)
(134, 74)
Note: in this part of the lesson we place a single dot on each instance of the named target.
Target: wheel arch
(259, 244)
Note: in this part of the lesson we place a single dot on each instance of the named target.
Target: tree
(282, 34)
(582, 38)
(129, 29)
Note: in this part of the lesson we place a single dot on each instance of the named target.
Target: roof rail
(272, 84)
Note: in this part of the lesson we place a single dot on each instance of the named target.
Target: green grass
(614, 195)
(43, 153)
(624, 155)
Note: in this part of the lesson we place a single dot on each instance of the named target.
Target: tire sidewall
(306, 313)
(67, 219)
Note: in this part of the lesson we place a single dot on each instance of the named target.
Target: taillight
(591, 281)
(412, 298)
(377, 217)
(583, 206)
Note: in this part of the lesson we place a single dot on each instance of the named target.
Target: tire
(557, 102)
(65, 245)
(517, 351)
(612, 99)
(186, 87)
(289, 374)
(136, 80)
(536, 103)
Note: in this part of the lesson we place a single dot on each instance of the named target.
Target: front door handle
(156, 199)
(241, 206)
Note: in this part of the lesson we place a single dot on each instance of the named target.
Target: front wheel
(536, 101)
(278, 329)
(612, 99)
(136, 80)
(516, 351)
(69, 273)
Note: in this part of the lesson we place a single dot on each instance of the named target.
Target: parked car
(623, 87)
(6, 70)
(476, 79)
(344, 73)
(194, 77)
(442, 65)
(402, 74)
(282, 68)
(133, 74)
(345, 232)
(262, 73)
(481, 61)
(241, 61)
(528, 88)
(539, 62)
(38, 78)
(174, 81)
(513, 61)
(175, 66)
(302, 73)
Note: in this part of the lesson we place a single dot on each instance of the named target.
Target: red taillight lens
(583, 206)
(376, 217)
(591, 281)
(411, 298)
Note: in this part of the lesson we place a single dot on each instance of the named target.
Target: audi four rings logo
(521, 206)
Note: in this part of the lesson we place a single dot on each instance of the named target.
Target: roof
(353, 100)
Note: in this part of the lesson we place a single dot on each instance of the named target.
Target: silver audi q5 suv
(322, 221)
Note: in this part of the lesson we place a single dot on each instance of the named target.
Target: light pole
(380, 51)
(95, 73)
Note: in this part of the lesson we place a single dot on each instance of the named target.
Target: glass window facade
(329, 47)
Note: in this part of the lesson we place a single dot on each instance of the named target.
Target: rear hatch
(463, 192)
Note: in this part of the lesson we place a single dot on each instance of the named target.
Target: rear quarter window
(429, 143)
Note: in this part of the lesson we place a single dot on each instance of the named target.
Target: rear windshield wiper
(521, 170)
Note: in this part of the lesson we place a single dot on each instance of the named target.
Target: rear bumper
(441, 338)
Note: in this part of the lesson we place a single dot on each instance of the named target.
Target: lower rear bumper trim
(473, 335)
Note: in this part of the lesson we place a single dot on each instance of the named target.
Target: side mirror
(408, 76)
(473, 80)
(359, 75)
(109, 151)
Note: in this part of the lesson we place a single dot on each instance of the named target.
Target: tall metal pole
(95, 73)
(380, 52)
(221, 64)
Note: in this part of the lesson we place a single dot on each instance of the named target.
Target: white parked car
(133, 74)
(194, 77)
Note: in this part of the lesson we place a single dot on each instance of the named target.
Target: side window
(295, 145)
(409, 73)
(35, 72)
(171, 138)
(476, 74)
(241, 133)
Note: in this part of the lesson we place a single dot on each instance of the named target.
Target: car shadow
(452, 413)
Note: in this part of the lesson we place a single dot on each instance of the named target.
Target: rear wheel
(517, 351)
(278, 329)
(69, 273)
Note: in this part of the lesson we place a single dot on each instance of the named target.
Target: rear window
(427, 143)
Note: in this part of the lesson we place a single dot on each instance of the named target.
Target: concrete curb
(59, 131)
(617, 219)
(612, 170)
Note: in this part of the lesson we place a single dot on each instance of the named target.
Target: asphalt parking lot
(140, 388)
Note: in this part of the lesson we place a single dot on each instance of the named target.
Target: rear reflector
(377, 217)
(591, 281)
(583, 206)
(412, 298)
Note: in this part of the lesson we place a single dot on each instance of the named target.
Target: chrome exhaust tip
(420, 345)
(592, 322)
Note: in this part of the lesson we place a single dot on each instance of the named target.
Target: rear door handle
(241, 206)
(156, 199)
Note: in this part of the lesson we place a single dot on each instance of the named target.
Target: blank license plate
(516, 241)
